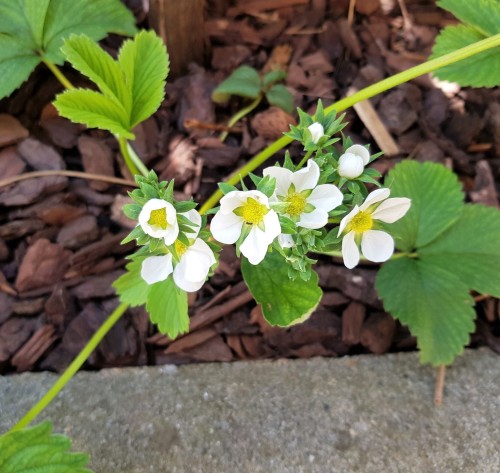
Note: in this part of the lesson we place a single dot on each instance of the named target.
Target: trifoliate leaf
(279, 96)
(168, 308)
(145, 65)
(33, 31)
(244, 81)
(480, 70)
(433, 302)
(470, 249)
(36, 449)
(131, 288)
(94, 110)
(484, 15)
(437, 202)
(284, 301)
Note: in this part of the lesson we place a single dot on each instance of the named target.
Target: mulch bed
(59, 236)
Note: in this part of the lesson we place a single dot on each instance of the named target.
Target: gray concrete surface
(360, 414)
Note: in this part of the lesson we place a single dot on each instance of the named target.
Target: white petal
(145, 215)
(171, 233)
(232, 200)
(202, 251)
(360, 151)
(255, 245)
(317, 131)
(156, 268)
(194, 217)
(350, 251)
(318, 218)
(286, 241)
(306, 178)
(272, 225)
(350, 166)
(325, 197)
(226, 228)
(374, 197)
(192, 270)
(283, 179)
(347, 219)
(377, 246)
(392, 209)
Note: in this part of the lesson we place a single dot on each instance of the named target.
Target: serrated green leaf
(470, 249)
(433, 302)
(279, 96)
(37, 449)
(93, 110)
(484, 15)
(168, 308)
(480, 70)
(87, 57)
(144, 62)
(437, 201)
(131, 288)
(284, 301)
(244, 82)
(34, 30)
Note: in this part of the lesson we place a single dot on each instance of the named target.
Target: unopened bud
(317, 131)
(351, 166)
(360, 151)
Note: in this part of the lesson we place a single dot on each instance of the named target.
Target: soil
(59, 235)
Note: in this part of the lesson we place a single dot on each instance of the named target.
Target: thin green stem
(72, 368)
(59, 75)
(363, 94)
(133, 162)
(304, 159)
(240, 114)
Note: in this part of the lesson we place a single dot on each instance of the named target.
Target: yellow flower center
(296, 204)
(158, 218)
(361, 222)
(180, 248)
(253, 211)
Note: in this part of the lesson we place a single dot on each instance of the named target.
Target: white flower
(307, 203)
(194, 263)
(352, 163)
(317, 131)
(158, 219)
(359, 224)
(238, 208)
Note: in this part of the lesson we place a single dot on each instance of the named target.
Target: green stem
(72, 368)
(240, 114)
(59, 75)
(133, 162)
(363, 94)
(304, 159)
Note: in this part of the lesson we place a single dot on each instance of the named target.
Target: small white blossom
(360, 227)
(352, 163)
(317, 131)
(195, 261)
(307, 202)
(158, 218)
(251, 208)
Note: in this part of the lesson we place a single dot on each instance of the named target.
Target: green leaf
(433, 302)
(34, 30)
(87, 57)
(484, 15)
(480, 70)
(93, 110)
(131, 288)
(470, 249)
(284, 301)
(145, 65)
(437, 202)
(273, 76)
(168, 308)
(279, 96)
(36, 449)
(244, 81)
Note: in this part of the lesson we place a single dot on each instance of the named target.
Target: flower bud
(361, 151)
(351, 165)
(317, 131)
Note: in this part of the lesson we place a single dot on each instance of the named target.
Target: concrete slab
(360, 414)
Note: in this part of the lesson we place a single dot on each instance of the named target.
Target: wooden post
(181, 25)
